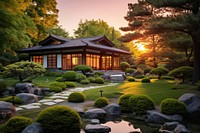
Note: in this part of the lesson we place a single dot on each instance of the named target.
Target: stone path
(58, 97)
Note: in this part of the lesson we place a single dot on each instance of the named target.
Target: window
(106, 62)
(66, 62)
(116, 63)
(38, 59)
(93, 61)
(52, 61)
(76, 59)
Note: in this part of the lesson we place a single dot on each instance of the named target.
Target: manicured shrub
(172, 106)
(83, 68)
(182, 73)
(17, 100)
(98, 73)
(99, 80)
(59, 79)
(91, 79)
(3, 87)
(23, 57)
(80, 77)
(58, 84)
(70, 84)
(76, 97)
(140, 104)
(147, 70)
(124, 102)
(85, 81)
(167, 77)
(16, 124)
(59, 119)
(146, 80)
(130, 70)
(55, 89)
(70, 76)
(139, 77)
(124, 66)
(133, 66)
(55, 74)
(159, 71)
(101, 102)
(130, 79)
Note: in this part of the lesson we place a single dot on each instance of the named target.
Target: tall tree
(59, 31)
(187, 21)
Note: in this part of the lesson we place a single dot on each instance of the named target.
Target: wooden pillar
(84, 57)
(100, 61)
(112, 61)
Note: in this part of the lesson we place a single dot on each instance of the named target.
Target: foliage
(23, 70)
(59, 79)
(167, 77)
(83, 68)
(147, 70)
(85, 81)
(70, 84)
(16, 124)
(139, 76)
(159, 71)
(76, 97)
(17, 100)
(98, 73)
(130, 79)
(124, 66)
(80, 77)
(59, 119)
(130, 70)
(58, 84)
(23, 57)
(101, 102)
(99, 80)
(70, 76)
(91, 79)
(55, 89)
(8, 57)
(124, 102)
(146, 80)
(184, 72)
(141, 103)
(172, 106)
(3, 87)
(59, 31)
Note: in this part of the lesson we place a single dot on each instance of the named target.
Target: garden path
(60, 98)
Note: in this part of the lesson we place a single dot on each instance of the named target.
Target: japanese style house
(56, 52)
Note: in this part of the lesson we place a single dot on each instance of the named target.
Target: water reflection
(121, 127)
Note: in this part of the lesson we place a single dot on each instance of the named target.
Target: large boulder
(113, 109)
(90, 128)
(7, 110)
(27, 97)
(24, 88)
(95, 114)
(181, 129)
(192, 102)
(33, 128)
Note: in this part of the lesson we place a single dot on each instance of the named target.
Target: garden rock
(94, 121)
(181, 129)
(95, 114)
(33, 128)
(24, 88)
(113, 109)
(192, 102)
(156, 117)
(177, 118)
(97, 128)
(7, 110)
(27, 97)
(170, 126)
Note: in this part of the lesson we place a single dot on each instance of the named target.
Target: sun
(141, 47)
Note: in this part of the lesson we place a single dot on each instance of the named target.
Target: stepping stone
(49, 103)
(55, 97)
(29, 106)
(45, 100)
(58, 100)
(36, 104)
(18, 108)
(57, 94)
(64, 97)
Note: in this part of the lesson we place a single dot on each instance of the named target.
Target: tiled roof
(74, 43)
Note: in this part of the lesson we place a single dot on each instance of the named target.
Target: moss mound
(101, 102)
(124, 102)
(76, 97)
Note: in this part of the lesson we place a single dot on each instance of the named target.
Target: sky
(110, 11)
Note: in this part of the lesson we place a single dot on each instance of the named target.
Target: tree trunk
(196, 48)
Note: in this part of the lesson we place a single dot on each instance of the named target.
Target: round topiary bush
(83, 68)
(70, 76)
(159, 71)
(99, 80)
(80, 77)
(147, 70)
(146, 80)
(70, 84)
(139, 76)
(167, 78)
(140, 104)
(58, 84)
(124, 102)
(17, 100)
(101, 102)
(98, 73)
(59, 79)
(85, 81)
(59, 119)
(55, 89)
(130, 79)
(91, 79)
(76, 97)
(130, 70)
(3, 87)
(16, 124)
(172, 106)
(124, 66)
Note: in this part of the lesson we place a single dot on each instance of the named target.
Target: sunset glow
(141, 47)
